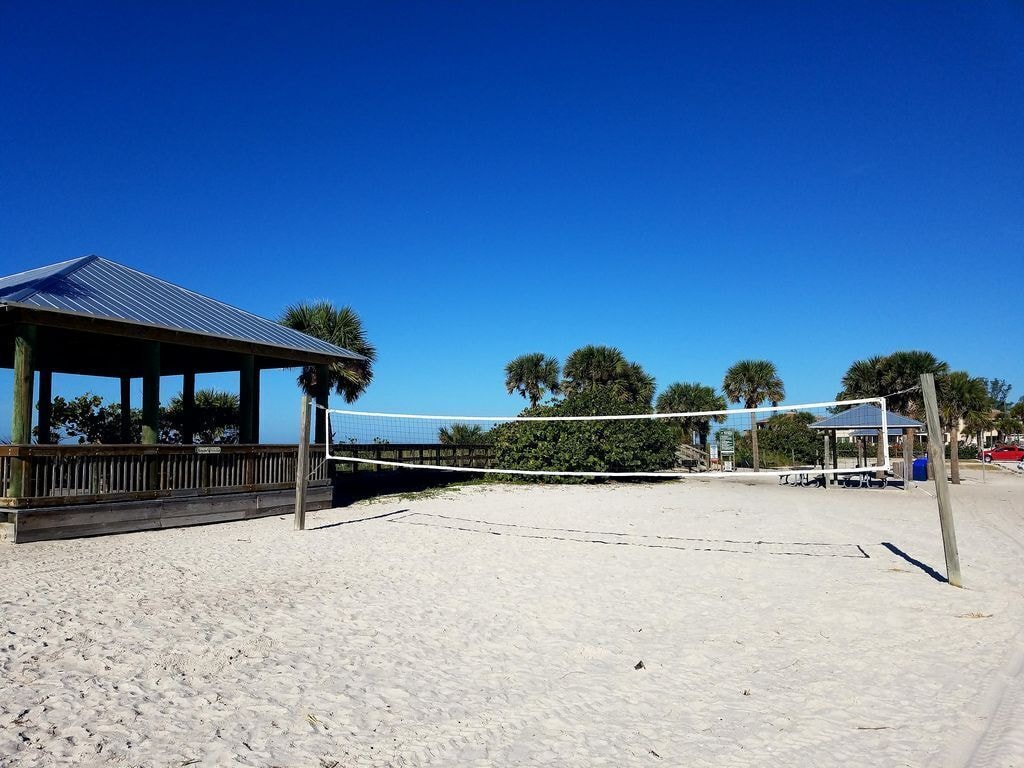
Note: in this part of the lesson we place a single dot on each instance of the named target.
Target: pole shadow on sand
(915, 562)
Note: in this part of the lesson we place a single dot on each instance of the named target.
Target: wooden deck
(86, 490)
(69, 491)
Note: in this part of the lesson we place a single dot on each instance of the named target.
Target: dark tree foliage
(216, 417)
(90, 419)
(790, 435)
(998, 392)
(641, 445)
(784, 440)
(597, 365)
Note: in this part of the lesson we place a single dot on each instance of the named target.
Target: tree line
(970, 403)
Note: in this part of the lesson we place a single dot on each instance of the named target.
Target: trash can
(921, 469)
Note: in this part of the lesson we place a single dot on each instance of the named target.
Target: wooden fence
(73, 474)
(421, 455)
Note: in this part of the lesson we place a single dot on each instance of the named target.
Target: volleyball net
(775, 440)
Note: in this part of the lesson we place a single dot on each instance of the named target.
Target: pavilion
(95, 317)
(866, 419)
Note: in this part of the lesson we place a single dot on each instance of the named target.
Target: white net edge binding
(885, 466)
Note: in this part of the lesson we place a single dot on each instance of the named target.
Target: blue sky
(811, 183)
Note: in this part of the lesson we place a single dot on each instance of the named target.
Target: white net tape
(837, 437)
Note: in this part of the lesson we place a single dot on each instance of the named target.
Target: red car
(1004, 453)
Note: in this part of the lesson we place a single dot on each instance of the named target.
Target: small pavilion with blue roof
(866, 420)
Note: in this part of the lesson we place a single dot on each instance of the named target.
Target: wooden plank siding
(106, 517)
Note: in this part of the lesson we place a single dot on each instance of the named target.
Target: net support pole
(824, 459)
(936, 456)
(908, 457)
(302, 466)
(882, 448)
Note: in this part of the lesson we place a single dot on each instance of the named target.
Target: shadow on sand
(914, 562)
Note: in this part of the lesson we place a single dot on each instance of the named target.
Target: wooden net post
(937, 458)
(302, 467)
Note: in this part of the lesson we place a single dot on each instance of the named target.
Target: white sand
(419, 637)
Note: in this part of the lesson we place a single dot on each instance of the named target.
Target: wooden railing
(693, 458)
(70, 474)
(425, 455)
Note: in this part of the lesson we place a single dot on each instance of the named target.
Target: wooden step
(7, 532)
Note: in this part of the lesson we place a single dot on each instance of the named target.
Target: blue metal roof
(865, 416)
(96, 287)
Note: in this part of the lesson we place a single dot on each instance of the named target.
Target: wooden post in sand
(824, 458)
(936, 456)
(302, 467)
(908, 457)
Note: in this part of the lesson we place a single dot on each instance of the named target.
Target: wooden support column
(21, 411)
(126, 409)
(302, 466)
(755, 458)
(256, 405)
(188, 407)
(825, 459)
(323, 400)
(151, 394)
(832, 440)
(908, 457)
(936, 456)
(45, 406)
(246, 375)
(880, 452)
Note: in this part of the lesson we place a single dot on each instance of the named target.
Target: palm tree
(215, 418)
(688, 397)
(864, 378)
(343, 328)
(595, 365)
(903, 371)
(635, 385)
(462, 434)
(531, 375)
(751, 382)
(889, 376)
(962, 397)
(592, 365)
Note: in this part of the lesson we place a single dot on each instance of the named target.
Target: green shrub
(964, 452)
(641, 445)
(784, 440)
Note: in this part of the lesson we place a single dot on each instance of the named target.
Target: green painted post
(188, 407)
(126, 409)
(151, 394)
(21, 412)
(45, 406)
(246, 374)
(256, 405)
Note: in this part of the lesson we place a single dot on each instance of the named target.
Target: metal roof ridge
(35, 286)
